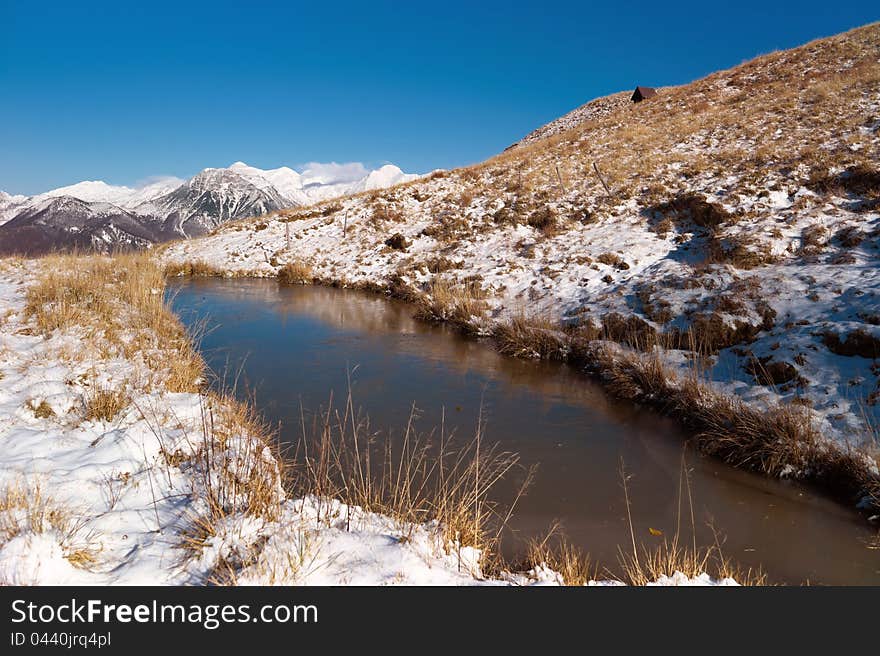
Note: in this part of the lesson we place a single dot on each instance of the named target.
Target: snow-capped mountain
(95, 215)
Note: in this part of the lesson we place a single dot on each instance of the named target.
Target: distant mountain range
(94, 215)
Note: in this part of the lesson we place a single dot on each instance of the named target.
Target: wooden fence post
(599, 175)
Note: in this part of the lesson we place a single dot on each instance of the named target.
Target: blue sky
(104, 90)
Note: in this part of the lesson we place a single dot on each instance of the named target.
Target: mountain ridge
(103, 217)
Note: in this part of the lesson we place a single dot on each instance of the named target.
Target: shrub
(543, 219)
(767, 371)
(397, 241)
(630, 330)
(612, 259)
(695, 208)
(859, 342)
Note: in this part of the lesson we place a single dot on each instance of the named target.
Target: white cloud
(332, 172)
(158, 179)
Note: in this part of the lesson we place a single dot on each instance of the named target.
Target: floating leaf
(654, 531)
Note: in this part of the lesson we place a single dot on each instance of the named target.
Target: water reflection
(294, 345)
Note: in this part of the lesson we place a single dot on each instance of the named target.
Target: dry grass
(858, 342)
(194, 268)
(236, 468)
(119, 302)
(295, 273)
(461, 304)
(530, 337)
(543, 219)
(106, 404)
(670, 557)
(643, 565)
(777, 440)
(612, 259)
(43, 410)
(238, 459)
(25, 508)
(689, 209)
(82, 291)
(418, 479)
(555, 552)
(397, 242)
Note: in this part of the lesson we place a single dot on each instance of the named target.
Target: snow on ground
(92, 501)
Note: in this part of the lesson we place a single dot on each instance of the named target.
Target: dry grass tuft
(295, 273)
(670, 557)
(630, 330)
(543, 219)
(25, 508)
(689, 209)
(557, 553)
(397, 242)
(645, 565)
(530, 337)
(461, 304)
(612, 259)
(238, 459)
(858, 342)
(105, 404)
(43, 410)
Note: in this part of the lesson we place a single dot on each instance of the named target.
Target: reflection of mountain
(96, 216)
(392, 321)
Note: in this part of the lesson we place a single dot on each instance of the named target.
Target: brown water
(294, 345)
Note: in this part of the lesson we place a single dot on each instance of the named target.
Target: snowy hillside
(168, 208)
(729, 225)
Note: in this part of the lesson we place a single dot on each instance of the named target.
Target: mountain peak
(93, 191)
(169, 208)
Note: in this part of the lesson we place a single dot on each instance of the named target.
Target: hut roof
(641, 93)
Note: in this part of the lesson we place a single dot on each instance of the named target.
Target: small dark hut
(643, 93)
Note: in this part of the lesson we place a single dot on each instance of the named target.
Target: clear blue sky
(121, 91)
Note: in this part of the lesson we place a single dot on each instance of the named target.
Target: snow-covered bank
(117, 469)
